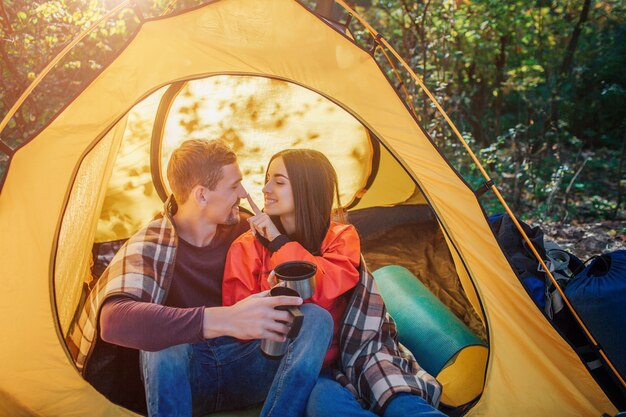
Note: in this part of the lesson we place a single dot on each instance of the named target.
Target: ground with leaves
(586, 239)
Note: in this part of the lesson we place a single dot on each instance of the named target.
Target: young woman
(300, 187)
(298, 223)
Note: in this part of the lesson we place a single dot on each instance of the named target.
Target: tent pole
(395, 71)
(54, 61)
(383, 42)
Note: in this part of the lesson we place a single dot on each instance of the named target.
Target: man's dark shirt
(196, 284)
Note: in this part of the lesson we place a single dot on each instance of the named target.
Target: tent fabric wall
(133, 195)
(531, 369)
(396, 183)
(79, 224)
(465, 280)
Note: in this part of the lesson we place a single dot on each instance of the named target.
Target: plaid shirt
(141, 269)
(374, 365)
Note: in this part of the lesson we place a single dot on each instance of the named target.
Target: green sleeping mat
(442, 344)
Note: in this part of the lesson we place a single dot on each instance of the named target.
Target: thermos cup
(275, 350)
(297, 275)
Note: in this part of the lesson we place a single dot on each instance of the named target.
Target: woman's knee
(329, 399)
(322, 395)
(324, 388)
(405, 404)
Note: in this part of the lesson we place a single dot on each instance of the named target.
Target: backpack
(531, 273)
(569, 273)
(563, 266)
(598, 293)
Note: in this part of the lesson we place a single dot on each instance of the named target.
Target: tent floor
(410, 236)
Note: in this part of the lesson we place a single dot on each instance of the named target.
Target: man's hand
(261, 223)
(251, 318)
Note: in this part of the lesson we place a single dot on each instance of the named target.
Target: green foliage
(538, 86)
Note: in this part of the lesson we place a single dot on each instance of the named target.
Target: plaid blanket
(141, 269)
(374, 366)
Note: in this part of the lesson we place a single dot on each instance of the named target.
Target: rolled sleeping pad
(441, 343)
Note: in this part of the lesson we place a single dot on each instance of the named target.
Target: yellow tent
(264, 76)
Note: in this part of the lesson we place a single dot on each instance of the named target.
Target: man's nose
(242, 192)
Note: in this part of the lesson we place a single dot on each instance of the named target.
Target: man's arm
(147, 326)
(152, 327)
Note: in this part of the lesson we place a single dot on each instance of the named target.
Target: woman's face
(277, 190)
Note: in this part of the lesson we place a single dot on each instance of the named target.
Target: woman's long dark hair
(314, 184)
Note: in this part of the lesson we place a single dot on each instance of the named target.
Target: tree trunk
(619, 178)
(18, 85)
(566, 65)
(424, 46)
(5, 18)
(478, 98)
(500, 64)
(517, 189)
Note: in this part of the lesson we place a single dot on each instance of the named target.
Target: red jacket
(249, 263)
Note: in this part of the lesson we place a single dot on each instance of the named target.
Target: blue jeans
(330, 399)
(225, 374)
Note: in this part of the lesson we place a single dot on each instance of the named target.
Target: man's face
(223, 202)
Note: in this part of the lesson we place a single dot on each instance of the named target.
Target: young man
(161, 294)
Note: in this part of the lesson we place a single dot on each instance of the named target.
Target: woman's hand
(272, 280)
(261, 223)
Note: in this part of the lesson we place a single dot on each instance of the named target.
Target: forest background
(536, 87)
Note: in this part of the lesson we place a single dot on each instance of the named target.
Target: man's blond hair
(197, 162)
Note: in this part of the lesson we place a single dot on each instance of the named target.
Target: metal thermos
(297, 275)
(276, 350)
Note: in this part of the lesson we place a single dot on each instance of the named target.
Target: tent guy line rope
(378, 38)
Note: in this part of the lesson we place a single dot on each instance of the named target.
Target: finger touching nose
(253, 205)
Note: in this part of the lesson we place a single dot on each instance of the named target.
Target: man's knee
(317, 314)
(317, 318)
(171, 358)
(317, 327)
